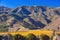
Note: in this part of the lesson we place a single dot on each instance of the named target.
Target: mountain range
(30, 17)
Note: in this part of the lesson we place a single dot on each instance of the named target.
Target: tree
(10, 37)
(0, 37)
(19, 37)
(44, 37)
(31, 37)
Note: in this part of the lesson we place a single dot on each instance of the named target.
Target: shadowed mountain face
(32, 17)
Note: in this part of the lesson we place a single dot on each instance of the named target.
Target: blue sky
(16, 3)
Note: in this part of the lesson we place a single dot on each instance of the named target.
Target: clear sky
(16, 3)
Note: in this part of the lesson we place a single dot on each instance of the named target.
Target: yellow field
(35, 32)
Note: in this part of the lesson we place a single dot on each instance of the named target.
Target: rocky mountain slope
(29, 17)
